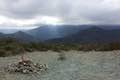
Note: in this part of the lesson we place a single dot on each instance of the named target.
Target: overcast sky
(28, 13)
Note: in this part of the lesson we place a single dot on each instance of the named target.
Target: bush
(61, 56)
(3, 53)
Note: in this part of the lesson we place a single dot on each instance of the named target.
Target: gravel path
(77, 66)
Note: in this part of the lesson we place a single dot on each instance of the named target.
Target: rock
(26, 67)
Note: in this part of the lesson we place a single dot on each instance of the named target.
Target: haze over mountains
(68, 34)
(50, 31)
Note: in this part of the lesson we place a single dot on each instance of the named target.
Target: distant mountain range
(91, 35)
(50, 32)
(68, 34)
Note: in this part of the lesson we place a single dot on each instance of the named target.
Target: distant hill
(91, 35)
(46, 32)
(21, 36)
(68, 34)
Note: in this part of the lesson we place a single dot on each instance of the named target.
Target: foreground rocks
(26, 67)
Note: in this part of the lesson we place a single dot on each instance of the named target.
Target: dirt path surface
(77, 66)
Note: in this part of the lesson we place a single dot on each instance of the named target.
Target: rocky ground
(78, 65)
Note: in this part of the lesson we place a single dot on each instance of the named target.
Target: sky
(27, 14)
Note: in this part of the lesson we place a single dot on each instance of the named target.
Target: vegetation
(61, 56)
(10, 47)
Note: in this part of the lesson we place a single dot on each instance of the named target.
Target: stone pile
(26, 67)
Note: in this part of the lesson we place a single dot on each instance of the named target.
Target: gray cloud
(71, 11)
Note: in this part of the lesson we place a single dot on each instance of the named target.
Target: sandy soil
(77, 66)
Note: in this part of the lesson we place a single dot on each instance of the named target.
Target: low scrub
(13, 47)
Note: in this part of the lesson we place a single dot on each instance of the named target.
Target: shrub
(61, 56)
(3, 53)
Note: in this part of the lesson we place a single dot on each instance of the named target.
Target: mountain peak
(19, 32)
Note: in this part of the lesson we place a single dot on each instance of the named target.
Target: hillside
(67, 34)
(91, 35)
(46, 32)
(22, 36)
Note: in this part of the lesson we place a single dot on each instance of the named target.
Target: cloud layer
(70, 11)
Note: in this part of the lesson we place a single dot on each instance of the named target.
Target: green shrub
(3, 53)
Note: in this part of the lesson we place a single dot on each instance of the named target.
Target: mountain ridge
(91, 35)
(66, 33)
